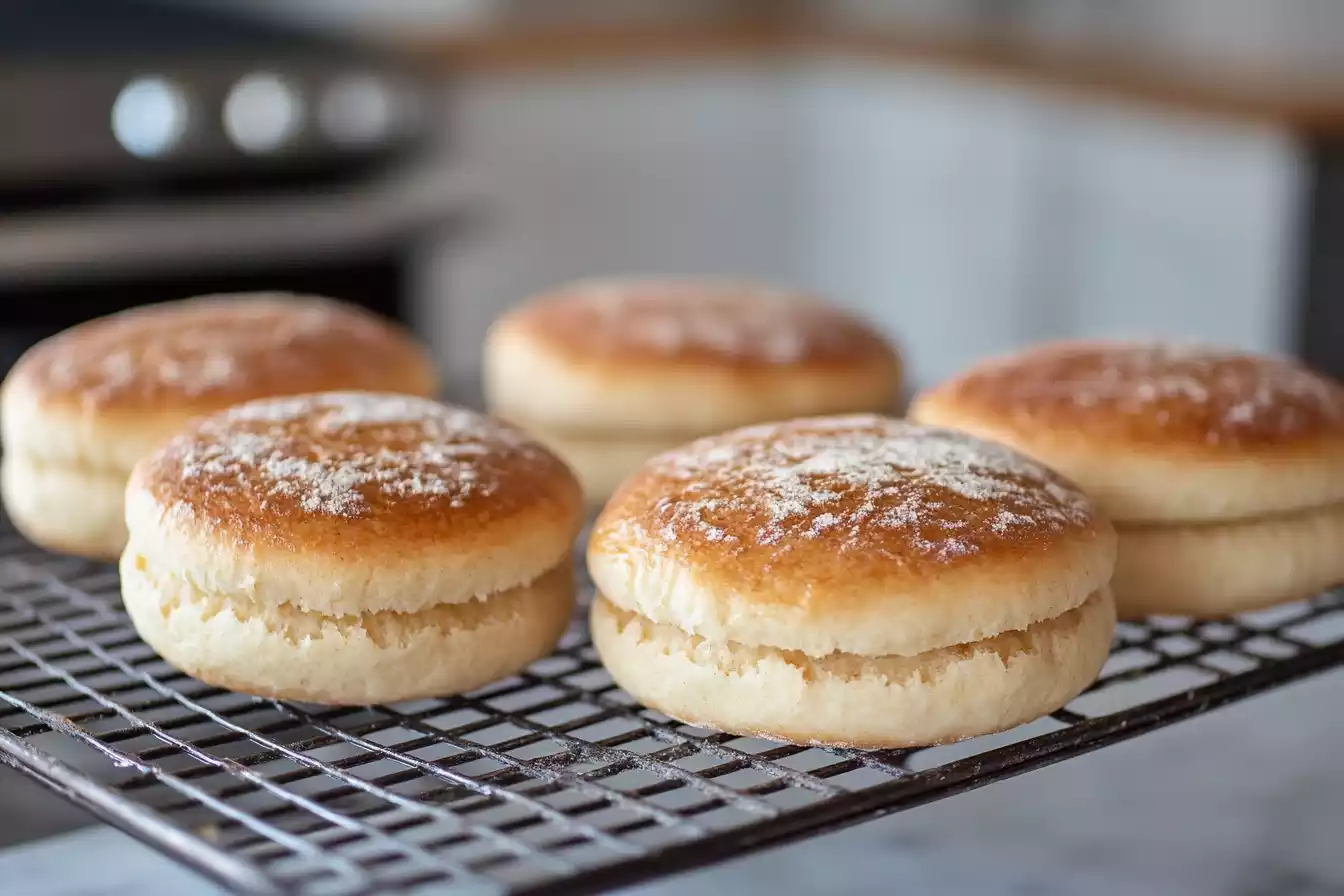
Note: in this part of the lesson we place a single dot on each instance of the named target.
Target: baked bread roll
(851, 580)
(609, 373)
(350, 548)
(1223, 471)
(79, 409)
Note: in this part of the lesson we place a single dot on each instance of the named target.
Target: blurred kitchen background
(971, 175)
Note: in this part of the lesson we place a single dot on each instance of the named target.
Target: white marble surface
(1246, 801)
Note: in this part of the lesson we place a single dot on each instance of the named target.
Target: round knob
(359, 111)
(149, 117)
(263, 113)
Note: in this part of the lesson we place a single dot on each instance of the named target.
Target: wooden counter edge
(522, 49)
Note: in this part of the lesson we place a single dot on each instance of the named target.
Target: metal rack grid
(550, 781)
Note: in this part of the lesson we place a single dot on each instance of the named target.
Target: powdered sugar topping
(860, 483)
(341, 454)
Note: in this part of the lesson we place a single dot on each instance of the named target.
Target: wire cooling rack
(550, 781)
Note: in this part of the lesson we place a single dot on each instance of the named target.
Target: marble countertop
(1245, 801)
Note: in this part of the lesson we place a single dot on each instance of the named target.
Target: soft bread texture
(941, 696)
(344, 503)
(379, 657)
(680, 358)
(1159, 433)
(859, 534)
(93, 400)
(601, 465)
(69, 509)
(1216, 569)
(349, 548)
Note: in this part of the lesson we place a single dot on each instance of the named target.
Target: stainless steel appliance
(99, 95)
(156, 150)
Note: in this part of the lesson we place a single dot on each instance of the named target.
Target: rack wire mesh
(550, 781)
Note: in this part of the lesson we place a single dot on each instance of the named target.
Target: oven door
(354, 243)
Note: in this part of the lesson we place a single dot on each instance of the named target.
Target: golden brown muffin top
(721, 322)
(1148, 395)
(821, 500)
(207, 353)
(349, 472)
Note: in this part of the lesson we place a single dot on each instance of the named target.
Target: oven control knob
(149, 117)
(263, 113)
(359, 111)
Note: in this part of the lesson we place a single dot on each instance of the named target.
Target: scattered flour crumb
(861, 482)
(331, 454)
(728, 318)
(210, 345)
(1227, 396)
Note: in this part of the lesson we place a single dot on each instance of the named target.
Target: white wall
(918, 206)
(1179, 226)
(962, 215)
(658, 169)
